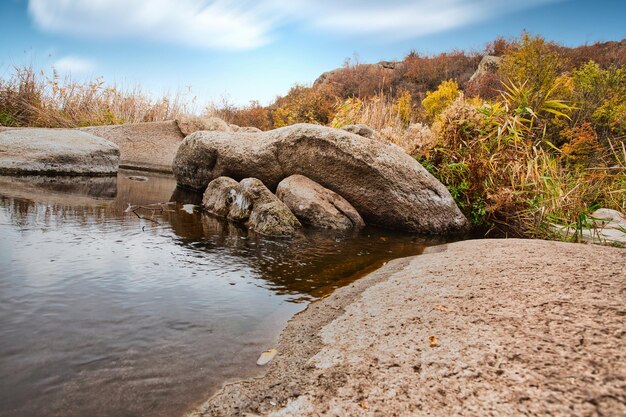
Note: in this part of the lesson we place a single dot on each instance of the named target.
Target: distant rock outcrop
(387, 187)
(488, 64)
(56, 152)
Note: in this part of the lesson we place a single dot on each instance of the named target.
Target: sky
(242, 50)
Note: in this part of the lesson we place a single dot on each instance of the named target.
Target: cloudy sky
(246, 49)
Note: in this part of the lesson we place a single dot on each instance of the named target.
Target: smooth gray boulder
(250, 202)
(318, 206)
(56, 152)
(387, 187)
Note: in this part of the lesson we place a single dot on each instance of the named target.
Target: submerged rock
(606, 227)
(250, 202)
(56, 151)
(316, 205)
(387, 187)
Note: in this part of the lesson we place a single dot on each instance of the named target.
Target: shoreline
(473, 327)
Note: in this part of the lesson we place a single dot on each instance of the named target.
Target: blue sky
(246, 49)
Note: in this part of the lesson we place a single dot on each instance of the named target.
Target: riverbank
(482, 327)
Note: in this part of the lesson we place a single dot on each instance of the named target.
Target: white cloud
(195, 23)
(74, 64)
(242, 24)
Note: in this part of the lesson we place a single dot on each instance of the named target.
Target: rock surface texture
(56, 151)
(250, 202)
(362, 130)
(475, 328)
(148, 146)
(318, 206)
(191, 124)
(387, 187)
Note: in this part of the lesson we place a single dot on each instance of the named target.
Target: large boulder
(56, 151)
(316, 205)
(250, 202)
(191, 124)
(387, 187)
(147, 146)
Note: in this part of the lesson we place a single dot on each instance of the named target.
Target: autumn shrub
(508, 178)
(304, 105)
(534, 63)
(252, 115)
(403, 107)
(355, 79)
(600, 95)
(426, 73)
(581, 147)
(436, 101)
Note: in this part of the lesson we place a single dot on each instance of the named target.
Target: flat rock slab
(475, 328)
(56, 152)
(147, 146)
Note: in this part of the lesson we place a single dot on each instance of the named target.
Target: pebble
(266, 357)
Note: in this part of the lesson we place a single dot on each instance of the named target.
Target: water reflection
(106, 314)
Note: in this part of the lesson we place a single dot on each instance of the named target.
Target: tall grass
(32, 98)
(391, 118)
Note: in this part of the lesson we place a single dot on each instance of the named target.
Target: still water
(106, 312)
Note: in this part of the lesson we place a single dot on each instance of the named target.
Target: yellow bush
(436, 101)
(403, 107)
(304, 105)
(535, 64)
(347, 113)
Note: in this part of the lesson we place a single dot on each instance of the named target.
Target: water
(104, 313)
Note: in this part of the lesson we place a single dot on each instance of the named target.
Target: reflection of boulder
(313, 263)
(250, 202)
(60, 189)
(56, 151)
(387, 187)
(149, 146)
(47, 199)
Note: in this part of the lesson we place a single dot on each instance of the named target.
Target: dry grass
(31, 98)
(388, 118)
